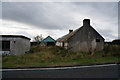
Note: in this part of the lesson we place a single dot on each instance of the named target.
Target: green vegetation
(58, 56)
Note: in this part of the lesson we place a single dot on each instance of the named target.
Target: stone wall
(86, 40)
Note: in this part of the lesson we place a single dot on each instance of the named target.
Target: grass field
(58, 56)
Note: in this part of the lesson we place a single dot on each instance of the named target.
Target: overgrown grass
(58, 56)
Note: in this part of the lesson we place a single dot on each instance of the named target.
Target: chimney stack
(86, 22)
(70, 30)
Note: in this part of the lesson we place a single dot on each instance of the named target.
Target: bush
(112, 50)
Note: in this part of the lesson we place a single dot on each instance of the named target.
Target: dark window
(50, 44)
(63, 44)
(14, 41)
(5, 45)
(97, 40)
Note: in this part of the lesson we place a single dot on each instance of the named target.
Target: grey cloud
(63, 15)
(119, 20)
(108, 33)
(43, 15)
(25, 34)
(52, 15)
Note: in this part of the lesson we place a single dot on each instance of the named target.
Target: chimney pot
(86, 22)
(70, 30)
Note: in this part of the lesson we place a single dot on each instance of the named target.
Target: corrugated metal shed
(48, 41)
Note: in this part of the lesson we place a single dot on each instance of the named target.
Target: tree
(38, 38)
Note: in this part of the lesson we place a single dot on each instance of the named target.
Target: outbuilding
(85, 38)
(14, 44)
(48, 41)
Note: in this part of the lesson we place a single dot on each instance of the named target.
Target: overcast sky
(56, 18)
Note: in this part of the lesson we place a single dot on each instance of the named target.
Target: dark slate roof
(17, 36)
(70, 35)
(67, 36)
(61, 38)
(48, 39)
(116, 40)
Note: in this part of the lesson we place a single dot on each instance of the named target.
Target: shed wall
(17, 45)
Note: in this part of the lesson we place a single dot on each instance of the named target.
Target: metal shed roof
(17, 36)
(48, 39)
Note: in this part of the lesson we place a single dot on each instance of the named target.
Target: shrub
(112, 50)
